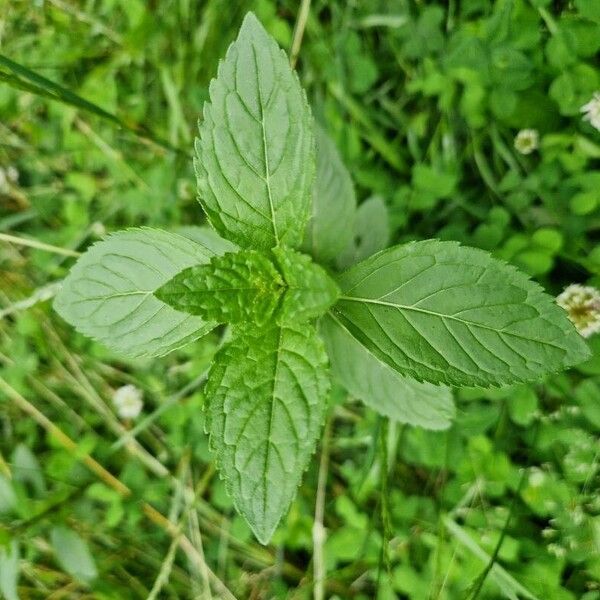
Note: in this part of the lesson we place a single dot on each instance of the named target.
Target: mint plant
(308, 295)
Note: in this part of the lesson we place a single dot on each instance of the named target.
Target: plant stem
(174, 515)
(483, 576)
(40, 295)
(384, 502)
(109, 479)
(172, 401)
(13, 239)
(20, 77)
(318, 532)
(63, 439)
(299, 31)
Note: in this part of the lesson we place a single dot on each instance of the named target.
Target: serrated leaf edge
(143, 354)
(536, 288)
(218, 455)
(206, 108)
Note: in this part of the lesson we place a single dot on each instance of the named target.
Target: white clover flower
(98, 229)
(128, 401)
(527, 140)
(582, 304)
(577, 515)
(548, 532)
(591, 111)
(557, 550)
(536, 478)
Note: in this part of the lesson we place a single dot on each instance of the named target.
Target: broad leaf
(109, 293)
(371, 232)
(443, 313)
(267, 394)
(382, 388)
(73, 554)
(205, 235)
(255, 155)
(230, 289)
(248, 287)
(331, 226)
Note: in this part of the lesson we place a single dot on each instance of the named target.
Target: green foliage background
(423, 100)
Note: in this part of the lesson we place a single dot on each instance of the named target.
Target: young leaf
(382, 388)
(109, 293)
(230, 289)
(310, 290)
(331, 226)
(255, 156)
(443, 313)
(248, 287)
(371, 232)
(267, 394)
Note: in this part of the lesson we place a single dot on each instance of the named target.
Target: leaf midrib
(270, 426)
(451, 317)
(267, 178)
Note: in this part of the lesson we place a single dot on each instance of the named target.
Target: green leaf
(310, 291)
(9, 571)
(8, 498)
(574, 88)
(371, 232)
(438, 184)
(109, 293)
(207, 236)
(382, 388)
(523, 405)
(589, 10)
(331, 226)
(440, 312)
(73, 554)
(27, 469)
(264, 422)
(507, 584)
(248, 287)
(255, 155)
(233, 288)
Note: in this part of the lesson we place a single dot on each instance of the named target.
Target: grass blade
(22, 78)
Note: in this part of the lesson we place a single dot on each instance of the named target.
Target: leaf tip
(251, 24)
(264, 532)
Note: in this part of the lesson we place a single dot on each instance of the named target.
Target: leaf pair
(248, 287)
(393, 326)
